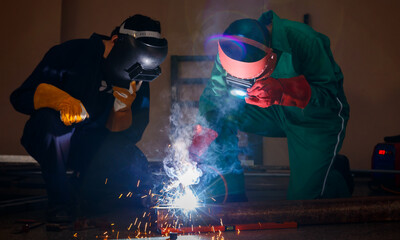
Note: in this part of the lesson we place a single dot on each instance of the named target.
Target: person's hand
(120, 117)
(124, 97)
(294, 91)
(265, 93)
(71, 109)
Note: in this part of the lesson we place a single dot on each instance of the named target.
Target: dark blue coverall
(88, 147)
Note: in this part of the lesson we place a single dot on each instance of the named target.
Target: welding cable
(389, 190)
(224, 180)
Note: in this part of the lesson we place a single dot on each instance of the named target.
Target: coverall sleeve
(212, 98)
(318, 67)
(47, 71)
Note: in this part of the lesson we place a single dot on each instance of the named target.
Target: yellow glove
(120, 117)
(71, 109)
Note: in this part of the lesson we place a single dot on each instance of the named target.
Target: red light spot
(382, 152)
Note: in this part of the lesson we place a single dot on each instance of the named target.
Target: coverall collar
(279, 39)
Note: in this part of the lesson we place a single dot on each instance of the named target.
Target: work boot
(62, 208)
(342, 165)
(61, 213)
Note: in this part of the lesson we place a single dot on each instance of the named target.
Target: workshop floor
(115, 224)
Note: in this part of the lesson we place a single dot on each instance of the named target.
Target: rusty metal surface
(304, 212)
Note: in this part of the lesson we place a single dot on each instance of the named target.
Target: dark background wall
(28, 30)
(364, 37)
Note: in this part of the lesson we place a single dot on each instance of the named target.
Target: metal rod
(304, 212)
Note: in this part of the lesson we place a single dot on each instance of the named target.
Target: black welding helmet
(245, 54)
(137, 52)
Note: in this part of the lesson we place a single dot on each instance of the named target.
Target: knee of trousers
(43, 127)
(122, 163)
(117, 149)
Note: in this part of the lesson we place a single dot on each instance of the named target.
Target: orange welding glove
(120, 117)
(293, 91)
(71, 109)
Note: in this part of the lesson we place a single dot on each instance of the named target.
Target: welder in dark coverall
(88, 101)
(277, 78)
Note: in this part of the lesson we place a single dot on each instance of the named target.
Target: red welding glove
(201, 140)
(293, 91)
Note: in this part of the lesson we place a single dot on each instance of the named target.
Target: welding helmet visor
(136, 56)
(244, 53)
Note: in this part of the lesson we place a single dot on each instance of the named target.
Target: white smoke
(178, 165)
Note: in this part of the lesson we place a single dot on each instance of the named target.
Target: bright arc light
(238, 92)
(189, 177)
(187, 201)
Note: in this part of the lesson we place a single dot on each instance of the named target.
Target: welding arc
(223, 179)
(236, 227)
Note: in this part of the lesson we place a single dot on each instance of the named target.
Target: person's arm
(318, 67)
(47, 71)
(71, 109)
(317, 83)
(214, 94)
(43, 88)
(294, 92)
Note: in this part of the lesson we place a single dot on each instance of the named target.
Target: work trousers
(102, 162)
(314, 135)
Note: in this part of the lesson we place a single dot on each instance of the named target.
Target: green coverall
(314, 134)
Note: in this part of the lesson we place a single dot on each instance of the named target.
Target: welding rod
(226, 228)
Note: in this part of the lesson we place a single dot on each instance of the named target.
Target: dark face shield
(137, 73)
(136, 56)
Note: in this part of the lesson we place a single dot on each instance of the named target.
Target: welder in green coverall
(277, 78)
